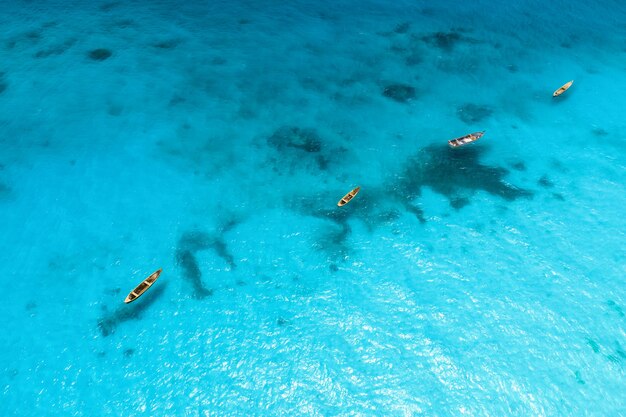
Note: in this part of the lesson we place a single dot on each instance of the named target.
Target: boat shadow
(133, 311)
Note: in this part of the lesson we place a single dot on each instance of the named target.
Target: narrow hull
(562, 89)
(143, 287)
(346, 198)
(464, 140)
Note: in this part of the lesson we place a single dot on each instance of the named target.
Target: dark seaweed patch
(192, 273)
(416, 210)
(107, 7)
(334, 241)
(301, 147)
(99, 54)
(133, 311)
(594, 346)
(579, 378)
(333, 267)
(471, 113)
(445, 41)
(113, 291)
(458, 203)
(387, 216)
(288, 136)
(402, 28)
(453, 173)
(192, 242)
(33, 35)
(3, 83)
(114, 109)
(129, 352)
(5, 190)
(615, 307)
(518, 166)
(558, 165)
(545, 182)
(281, 321)
(57, 49)
(413, 59)
(196, 241)
(599, 132)
(401, 93)
(218, 60)
(167, 44)
(221, 249)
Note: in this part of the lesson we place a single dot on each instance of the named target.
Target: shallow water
(215, 139)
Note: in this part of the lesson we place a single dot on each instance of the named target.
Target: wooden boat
(143, 287)
(463, 140)
(563, 88)
(346, 198)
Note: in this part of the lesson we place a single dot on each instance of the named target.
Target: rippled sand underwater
(214, 139)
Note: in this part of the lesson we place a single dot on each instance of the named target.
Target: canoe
(563, 88)
(346, 198)
(466, 139)
(143, 287)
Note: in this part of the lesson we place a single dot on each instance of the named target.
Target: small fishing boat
(463, 140)
(563, 88)
(346, 198)
(143, 287)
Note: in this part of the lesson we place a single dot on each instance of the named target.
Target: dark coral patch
(401, 93)
(453, 172)
(99, 54)
(471, 113)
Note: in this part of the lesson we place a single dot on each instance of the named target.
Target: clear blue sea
(213, 139)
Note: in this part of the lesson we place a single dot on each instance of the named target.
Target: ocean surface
(213, 139)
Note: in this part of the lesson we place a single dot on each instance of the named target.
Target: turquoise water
(214, 139)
